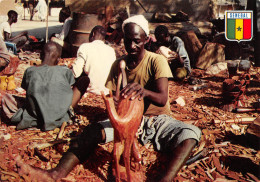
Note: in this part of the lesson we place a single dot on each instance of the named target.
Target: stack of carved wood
(234, 91)
(235, 87)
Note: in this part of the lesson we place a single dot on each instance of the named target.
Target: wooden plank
(254, 128)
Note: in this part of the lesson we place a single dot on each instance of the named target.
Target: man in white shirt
(6, 33)
(62, 37)
(95, 59)
(64, 17)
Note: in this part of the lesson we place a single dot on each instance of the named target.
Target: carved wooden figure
(125, 120)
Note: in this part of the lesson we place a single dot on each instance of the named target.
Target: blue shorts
(162, 131)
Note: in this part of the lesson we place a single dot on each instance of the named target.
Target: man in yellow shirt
(147, 74)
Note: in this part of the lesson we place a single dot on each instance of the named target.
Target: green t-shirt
(152, 67)
(48, 97)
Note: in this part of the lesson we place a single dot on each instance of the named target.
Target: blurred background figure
(6, 32)
(64, 17)
(41, 8)
(31, 9)
(62, 37)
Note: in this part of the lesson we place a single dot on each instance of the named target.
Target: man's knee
(93, 131)
(190, 142)
(91, 136)
(3, 63)
(87, 141)
(20, 40)
(82, 84)
(189, 136)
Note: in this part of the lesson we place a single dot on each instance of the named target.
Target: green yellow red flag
(239, 25)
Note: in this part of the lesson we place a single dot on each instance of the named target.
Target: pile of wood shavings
(225, 143)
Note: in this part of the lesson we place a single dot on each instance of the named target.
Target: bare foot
(2, 93)
(136, 176)
(36, 174)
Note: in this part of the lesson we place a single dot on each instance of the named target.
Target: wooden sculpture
(125, 120)
(12, 66)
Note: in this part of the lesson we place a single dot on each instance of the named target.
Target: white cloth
(96, 59)
(65, 29)
(3, 48)
(5, 27)
(42, 9)
(140, 21)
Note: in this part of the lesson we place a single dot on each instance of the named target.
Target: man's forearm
(158, 99)
(13, 38)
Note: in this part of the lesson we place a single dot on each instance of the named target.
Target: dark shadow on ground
(157, 169)
(92, 113)
(240, 164)
(41, 32)
(97, 160)
(209, 101)
(216, 88)
(215, 79)
(246, 140)
(255, 92)
(255, 84)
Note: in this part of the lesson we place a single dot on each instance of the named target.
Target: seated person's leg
(179, 46)
(79, 88)
(85, 144)
(173, 137)
(11, 47)
(20, 42)
(177, 158)
(11, 104)
(67, 48)
(79, 150)
(31, 9)
(178, 71)
(3, 63)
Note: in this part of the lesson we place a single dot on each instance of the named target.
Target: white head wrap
(139, 20)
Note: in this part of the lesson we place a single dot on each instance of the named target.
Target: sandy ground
(37, 28)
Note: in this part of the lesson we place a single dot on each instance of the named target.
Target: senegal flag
(239, 25)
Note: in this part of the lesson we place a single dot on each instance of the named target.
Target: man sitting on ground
(6, 34)
(4, 55)
(49, 96)
(180, 62)
(62, 37)
(95, 59)
(64, 17)
(147, 74)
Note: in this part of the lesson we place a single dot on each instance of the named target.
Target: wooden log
(252, 176)
(210, 54)
(246, 120)
(246, 109)
(41, 146)
(218, 165)
(198, 156)
(40, 155)
(192, 45)
(62, 128)
(254, 127)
